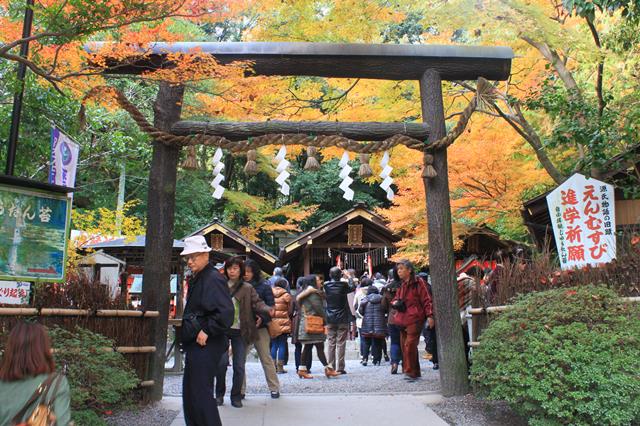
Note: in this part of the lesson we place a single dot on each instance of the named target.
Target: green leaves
(576, 362)
(99, 379)
(587, 8)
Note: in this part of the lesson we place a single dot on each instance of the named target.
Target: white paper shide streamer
(218, 177)
(344, 175)
(387, 180)
(281, 168)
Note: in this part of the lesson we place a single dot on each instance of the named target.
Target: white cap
(195, 244)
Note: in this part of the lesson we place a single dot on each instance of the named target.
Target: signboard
(33, 234)
(14, 292)
(583, 216)
(64, 159)
(136, 284)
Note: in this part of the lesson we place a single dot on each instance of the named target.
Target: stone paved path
(316, 410)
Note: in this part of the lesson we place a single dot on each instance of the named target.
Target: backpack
(42, 414)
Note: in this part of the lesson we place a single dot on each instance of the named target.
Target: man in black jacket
(209, 305)
(338, 316)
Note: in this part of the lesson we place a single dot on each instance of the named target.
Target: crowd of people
(233, 307)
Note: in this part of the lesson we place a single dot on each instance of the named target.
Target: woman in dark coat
(295, 322)
(389, 293)
(311, 303)
(374, 325)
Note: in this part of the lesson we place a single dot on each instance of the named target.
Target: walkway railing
(474, 326)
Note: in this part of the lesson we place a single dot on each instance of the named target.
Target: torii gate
(426, 63)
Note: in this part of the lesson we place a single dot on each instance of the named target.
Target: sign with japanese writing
(583, 216)
(64, 159)
(33, 234)
(14, 292)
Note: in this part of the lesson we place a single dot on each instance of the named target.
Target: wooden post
(159, 237)
(306, 259)
(451, 350)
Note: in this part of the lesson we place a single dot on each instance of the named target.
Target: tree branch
(600, 68)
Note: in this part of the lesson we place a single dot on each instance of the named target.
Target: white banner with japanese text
(583, 215)
(14, 292)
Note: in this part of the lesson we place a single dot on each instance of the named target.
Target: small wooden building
(355, 239)
(131, 251)
(227, 242)
(482, 241)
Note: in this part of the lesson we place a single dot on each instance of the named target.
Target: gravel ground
(470, 411)
(458, 411)
(358, 379)
(150, 415)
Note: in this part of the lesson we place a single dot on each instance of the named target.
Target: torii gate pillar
(451, 350)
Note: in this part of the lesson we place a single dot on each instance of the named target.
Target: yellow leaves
(104, 222)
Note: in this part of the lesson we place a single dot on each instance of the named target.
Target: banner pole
(17, 97)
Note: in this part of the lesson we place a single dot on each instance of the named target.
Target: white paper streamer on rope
(387, 180)
(281, 168)
(218, 177)
(344, 175)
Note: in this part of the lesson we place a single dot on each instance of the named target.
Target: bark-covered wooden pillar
(451, 350)
(159, 237)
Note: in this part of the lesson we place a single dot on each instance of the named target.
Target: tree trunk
(159, 238)
(451, 351)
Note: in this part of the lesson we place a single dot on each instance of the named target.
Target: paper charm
(385, 174)
(344, 175)
(281, 168)
(218, 177)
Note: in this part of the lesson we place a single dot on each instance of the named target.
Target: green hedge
(564, 357)
(99, 380)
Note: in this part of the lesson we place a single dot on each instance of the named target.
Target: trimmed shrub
(564, 356)
(100, 380)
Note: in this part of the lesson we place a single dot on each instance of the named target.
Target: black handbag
(190, 328)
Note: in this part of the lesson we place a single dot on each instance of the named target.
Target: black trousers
(306, 354)
(432, 344)
(374, 346)
(238, 348)
(201, 366)
(298, 357)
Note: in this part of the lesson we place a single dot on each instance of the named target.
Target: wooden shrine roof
(266, 258)
(376, 229)
(341, 60)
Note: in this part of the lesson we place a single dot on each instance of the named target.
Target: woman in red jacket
(413, 305)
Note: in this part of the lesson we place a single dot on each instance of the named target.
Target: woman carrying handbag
(31, 391)
(311, 326)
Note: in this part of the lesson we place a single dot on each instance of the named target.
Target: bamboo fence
(497, 309)
(129, 329)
